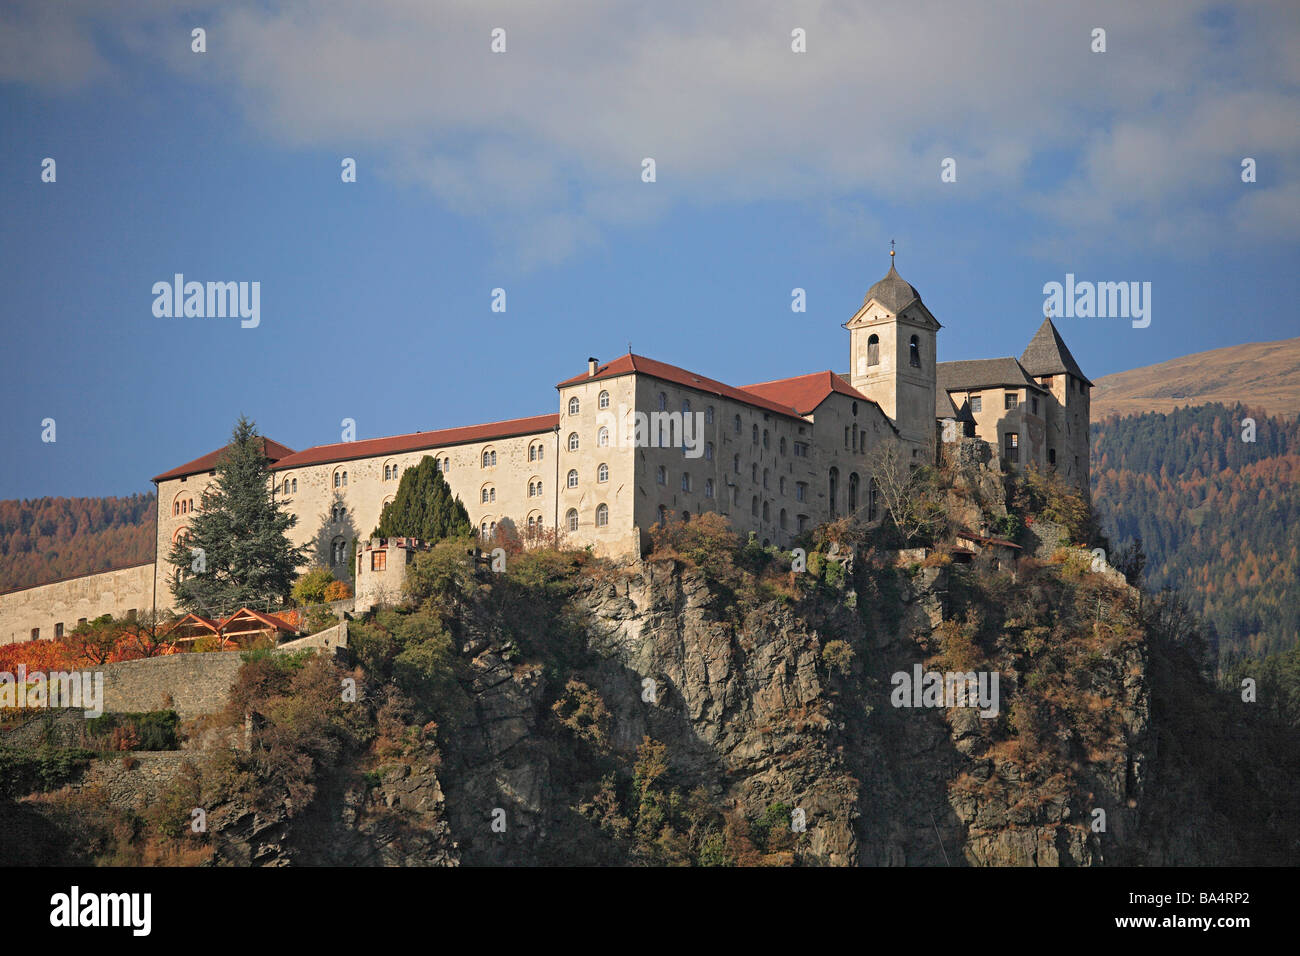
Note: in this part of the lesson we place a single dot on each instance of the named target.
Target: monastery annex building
(636, 441)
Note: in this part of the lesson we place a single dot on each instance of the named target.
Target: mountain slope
(1259, 374)
(48, 539)
(1219, 517)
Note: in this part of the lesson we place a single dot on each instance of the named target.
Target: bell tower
(892, 355)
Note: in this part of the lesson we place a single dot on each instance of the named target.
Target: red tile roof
(347, 451)
(805, 392)
(628, 364)
(273, 450)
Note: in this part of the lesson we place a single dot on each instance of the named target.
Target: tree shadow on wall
(334, 542)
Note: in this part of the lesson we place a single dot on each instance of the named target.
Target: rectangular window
(1034, 404)
(58, 629)
(36, 634)
(1011, 400)
(1051, 456)
(800, 491)
(800, 449)
(378, 560)
(1013, 446)
(976, 403)
(80, 621)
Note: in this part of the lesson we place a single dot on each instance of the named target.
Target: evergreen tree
(246, 557)
(424, 507)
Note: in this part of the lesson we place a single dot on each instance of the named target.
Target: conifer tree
(237, 552)
(424, 507)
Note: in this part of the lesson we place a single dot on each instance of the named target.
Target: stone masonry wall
(43, 607)
(196, 683)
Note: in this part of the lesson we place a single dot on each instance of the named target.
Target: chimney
(591, 367)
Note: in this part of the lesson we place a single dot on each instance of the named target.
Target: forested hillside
(45, 539)
(1219, 516)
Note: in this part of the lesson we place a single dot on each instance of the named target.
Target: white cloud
(547, 139)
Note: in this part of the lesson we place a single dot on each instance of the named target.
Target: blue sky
(522, 170)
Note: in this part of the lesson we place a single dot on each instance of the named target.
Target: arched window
(853, 492)
(571, 519)
(483, 529)
(180, 534)
(602, 472)
(764, 477)
(602, 437)
(781, 445)
(446, 467)
(573, 405)
(531, 525)
(602, 515)
(753, 506)
(541, 451)
(783, 520)
(736, 422)
(573, 441)
(532, 452)
(603, 400)
(872, 495)
(345, 479)
(663, 402)
(708, 451)
(767, 511)
(338, 552)
(489, 457)
(338, 479)
(753, 472)
(735, 464)
(708, 415)
(176, 507)
(661, 475)
(766, 439)
(387, 475)
(686, 481)
(914, 352)
(708, 487)
(873, 350)
(855, 409)
(755, 438)
(663, 516)
(834, 487)
(573, 477)
(488, 494)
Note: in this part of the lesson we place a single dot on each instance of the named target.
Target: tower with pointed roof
(1049, 362)
(892, 355)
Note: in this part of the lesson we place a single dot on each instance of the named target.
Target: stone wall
(331, 639)
(195, 683)
(138, 784)
(38, 611)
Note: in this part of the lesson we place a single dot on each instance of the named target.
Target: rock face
(749, 711)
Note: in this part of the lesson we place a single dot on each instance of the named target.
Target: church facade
(635, 442)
